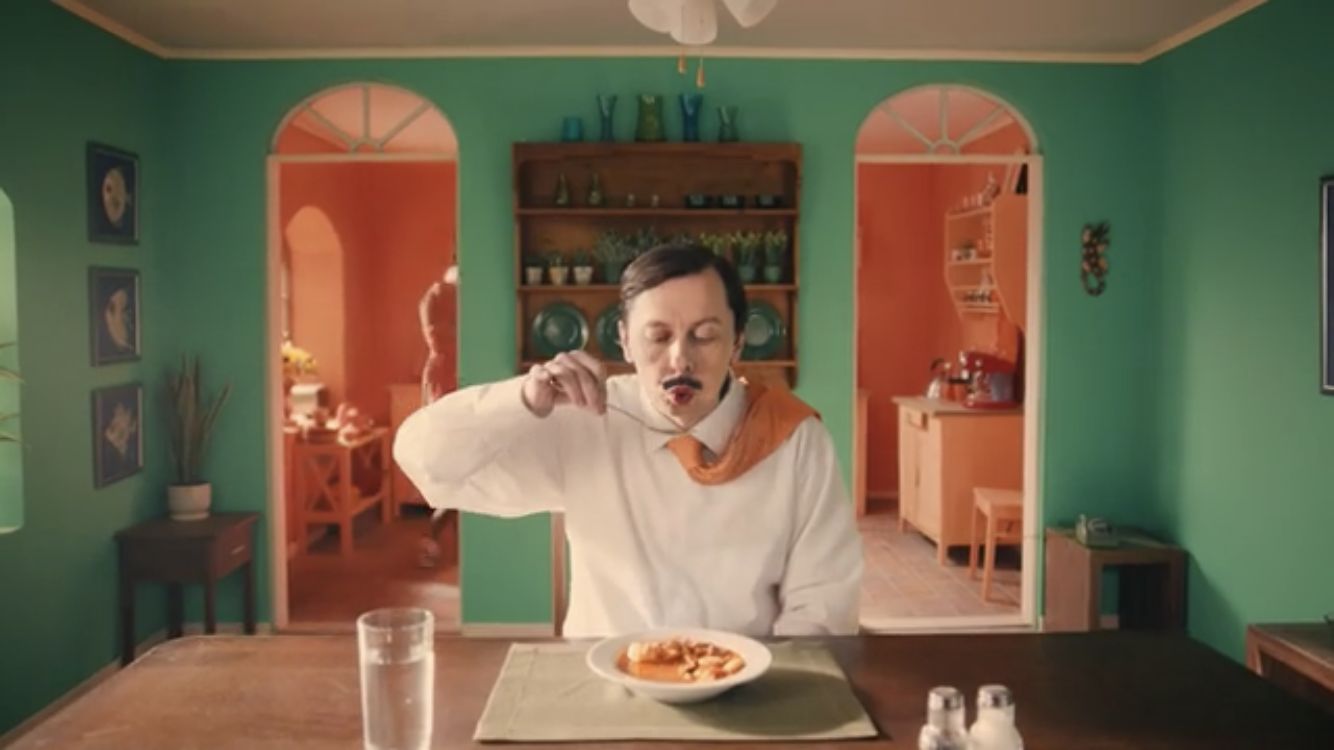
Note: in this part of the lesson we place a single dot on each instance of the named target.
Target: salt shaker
(944, 728)
(994, 728)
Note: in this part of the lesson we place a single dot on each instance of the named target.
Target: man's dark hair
(674, 260)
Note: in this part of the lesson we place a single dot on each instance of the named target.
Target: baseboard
(1109, 622)
(508, 630)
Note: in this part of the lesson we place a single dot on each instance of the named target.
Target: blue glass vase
(690, 107)
(649, 128)
(727, 131)
(606, 106)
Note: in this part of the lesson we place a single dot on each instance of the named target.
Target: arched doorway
(948, 247)
(362, 224)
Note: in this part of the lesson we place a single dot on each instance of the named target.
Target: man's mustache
(681, 380)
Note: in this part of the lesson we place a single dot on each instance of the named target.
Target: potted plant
(190, 422)
(714, 243)
(583, 268)
(746, 245)
(532, 271)
(7, 374)
(775, 255)
(557, 271)
(614, 252)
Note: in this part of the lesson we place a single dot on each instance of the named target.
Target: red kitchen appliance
(990, 380)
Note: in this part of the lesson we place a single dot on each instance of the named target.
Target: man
(436, 313)
(691, 498)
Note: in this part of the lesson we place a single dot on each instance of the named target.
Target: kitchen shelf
(671, 171)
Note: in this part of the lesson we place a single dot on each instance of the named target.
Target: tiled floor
(326, 588)
(903, 579)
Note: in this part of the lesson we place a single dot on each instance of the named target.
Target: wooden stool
(1004, 514)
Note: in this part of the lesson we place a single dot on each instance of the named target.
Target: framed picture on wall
(1326, 286)
(113, 314)
(113, 195)
(118, 440)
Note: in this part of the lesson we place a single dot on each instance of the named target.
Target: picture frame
(112, 194)
(1327, 285)
(114, 322)
(118, 440)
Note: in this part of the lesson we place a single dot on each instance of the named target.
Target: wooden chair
(1002, 513)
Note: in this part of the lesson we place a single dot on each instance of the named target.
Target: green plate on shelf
(764, 332)
(606, 334)
(559, 327)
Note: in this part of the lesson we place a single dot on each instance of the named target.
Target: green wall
(63, 83)
(1245, 479)
(1091, 121)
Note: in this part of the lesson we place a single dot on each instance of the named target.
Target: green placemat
(545, 692)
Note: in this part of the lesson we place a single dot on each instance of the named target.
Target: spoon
(554, 383)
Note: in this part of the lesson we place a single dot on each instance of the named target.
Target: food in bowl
(679, 659)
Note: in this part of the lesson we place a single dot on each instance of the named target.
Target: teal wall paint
(1092, 123)
(1246, 483)
(65, 83)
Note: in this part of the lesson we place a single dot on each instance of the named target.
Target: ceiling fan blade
(749, 12)
(697, 23)
(658, 15)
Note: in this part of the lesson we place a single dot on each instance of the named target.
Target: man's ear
(737, 348)
(624, 341)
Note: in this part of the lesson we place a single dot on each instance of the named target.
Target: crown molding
(1159, 48)
(1197, 30)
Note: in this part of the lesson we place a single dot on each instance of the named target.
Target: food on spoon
(679, 660)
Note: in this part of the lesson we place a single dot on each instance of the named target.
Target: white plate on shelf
(602, 655)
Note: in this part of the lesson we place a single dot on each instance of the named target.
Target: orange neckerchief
(772, 415)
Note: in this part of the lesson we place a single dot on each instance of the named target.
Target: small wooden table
(1152, 582)
(181, 552)
(1094, 691)
(336, 480)
(1296, 656)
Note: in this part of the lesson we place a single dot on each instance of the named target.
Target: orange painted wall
(411, 221)
(395, 224)
(322, 225)
(904, 316)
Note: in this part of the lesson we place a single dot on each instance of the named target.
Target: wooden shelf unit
(990, 230)
(670, 171)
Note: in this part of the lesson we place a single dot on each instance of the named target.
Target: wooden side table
(1298, 657)
(1152, 582)
(181, 552)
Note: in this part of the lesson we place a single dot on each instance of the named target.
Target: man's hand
(575, 378)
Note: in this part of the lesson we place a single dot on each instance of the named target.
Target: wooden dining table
(1090, 691)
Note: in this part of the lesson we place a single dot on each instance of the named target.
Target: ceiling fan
(695, 22)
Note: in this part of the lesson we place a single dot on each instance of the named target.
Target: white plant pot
(189, 502)
(532, 275)
(583, 275)
(558, 274)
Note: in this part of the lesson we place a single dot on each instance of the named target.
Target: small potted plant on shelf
(775, 255)
(557, 271)
(532, 270)
(583, 268)
(190, 422)
(746, 247)
(714, 243)
(613, 251)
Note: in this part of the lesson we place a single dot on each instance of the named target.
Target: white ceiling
(1092, 30)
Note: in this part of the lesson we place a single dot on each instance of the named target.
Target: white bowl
(601, 659)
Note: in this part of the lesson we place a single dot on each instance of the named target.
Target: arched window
(944, 120)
